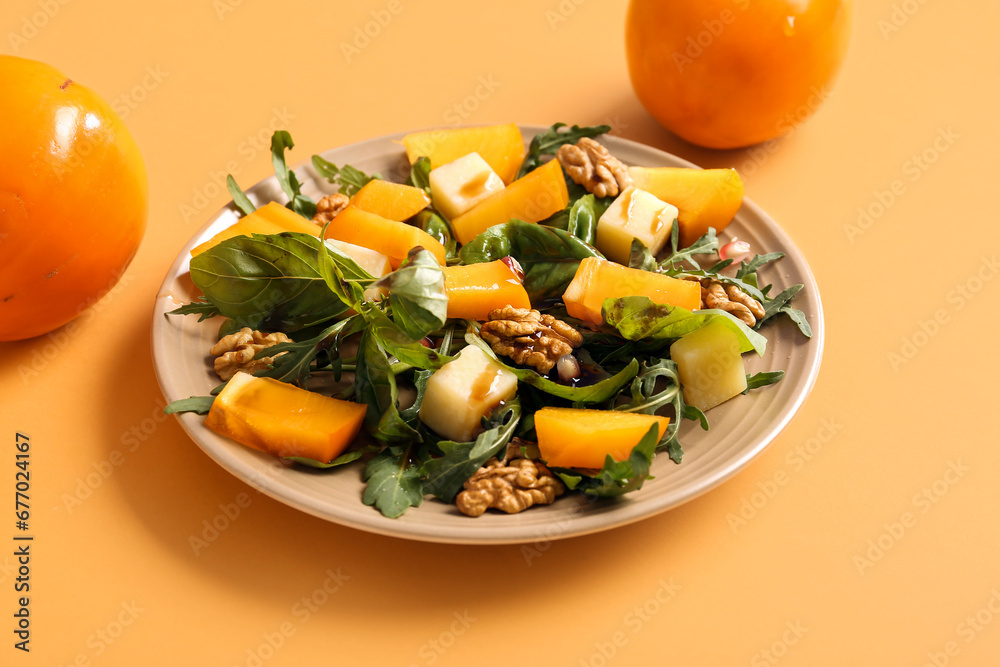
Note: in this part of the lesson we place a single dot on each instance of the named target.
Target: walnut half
(512, 487)
(528, 337)
(590, 164)
(236, 351)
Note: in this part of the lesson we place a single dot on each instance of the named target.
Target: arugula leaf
(416, 294)
(271, 282)
(197, 404)
(295, 364)
(674, 262)
(289, 182)
(616, 478)
(393, 482)
(764, 379)
(239, 197)
(347, 178)
(548, 142)
(656, 387)
(799, 318)
(639, 318)
(199, 307)
(752, 265)
(593, 393)
(445, 475)
(549, 256)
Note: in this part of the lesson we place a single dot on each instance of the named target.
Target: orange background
(843, 561)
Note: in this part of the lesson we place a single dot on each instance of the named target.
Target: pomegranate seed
(514, 266)
(568, 367)
(734, 250)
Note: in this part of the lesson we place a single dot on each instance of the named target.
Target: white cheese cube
(462, 392)
(370, 260)
(634, 214)
(461, 184)
(710, 365)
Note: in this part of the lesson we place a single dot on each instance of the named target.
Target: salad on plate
(507, 324)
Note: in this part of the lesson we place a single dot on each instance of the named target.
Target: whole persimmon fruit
(73, 198)
(731, 73)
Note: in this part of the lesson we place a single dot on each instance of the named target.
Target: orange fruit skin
(73, 198)
(732, 73)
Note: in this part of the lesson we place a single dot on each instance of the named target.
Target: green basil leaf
(549, 256)
(271, 282)
(435, 225)
(420, 174)
(416, 294)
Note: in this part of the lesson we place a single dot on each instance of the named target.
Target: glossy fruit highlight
(731, 73)
(73, 198)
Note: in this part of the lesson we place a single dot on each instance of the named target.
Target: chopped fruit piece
(389, 237)
(463, 391)
(576, 438)
(394, 201)
(634, 214)
(704, 197)
(475, 289)
(533, 197)
(273, 218)
(710, 365)
(461, 184)
(502, 146)
(598, 279)
(281, 419)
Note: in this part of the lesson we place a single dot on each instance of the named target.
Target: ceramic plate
(740, 429)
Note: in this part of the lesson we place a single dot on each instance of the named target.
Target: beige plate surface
(740, 428)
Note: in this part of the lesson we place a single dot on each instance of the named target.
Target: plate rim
(406, 527)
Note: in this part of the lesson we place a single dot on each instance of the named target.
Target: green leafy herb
(420, 174)
(616, 478)
(347, 179)
(445, 474)
(639, 318)
(343, 459)
(239, 197)
(674, 262)
(435, 225)
(394, 483)
(656, 387)
(272, 282)
(196, 404)
(199, 307)
(295, 364)
(416, 294)
(548, 256)
(640, 257)
(758, 380)
(548, 142)
(597, 392)
(289, 182)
